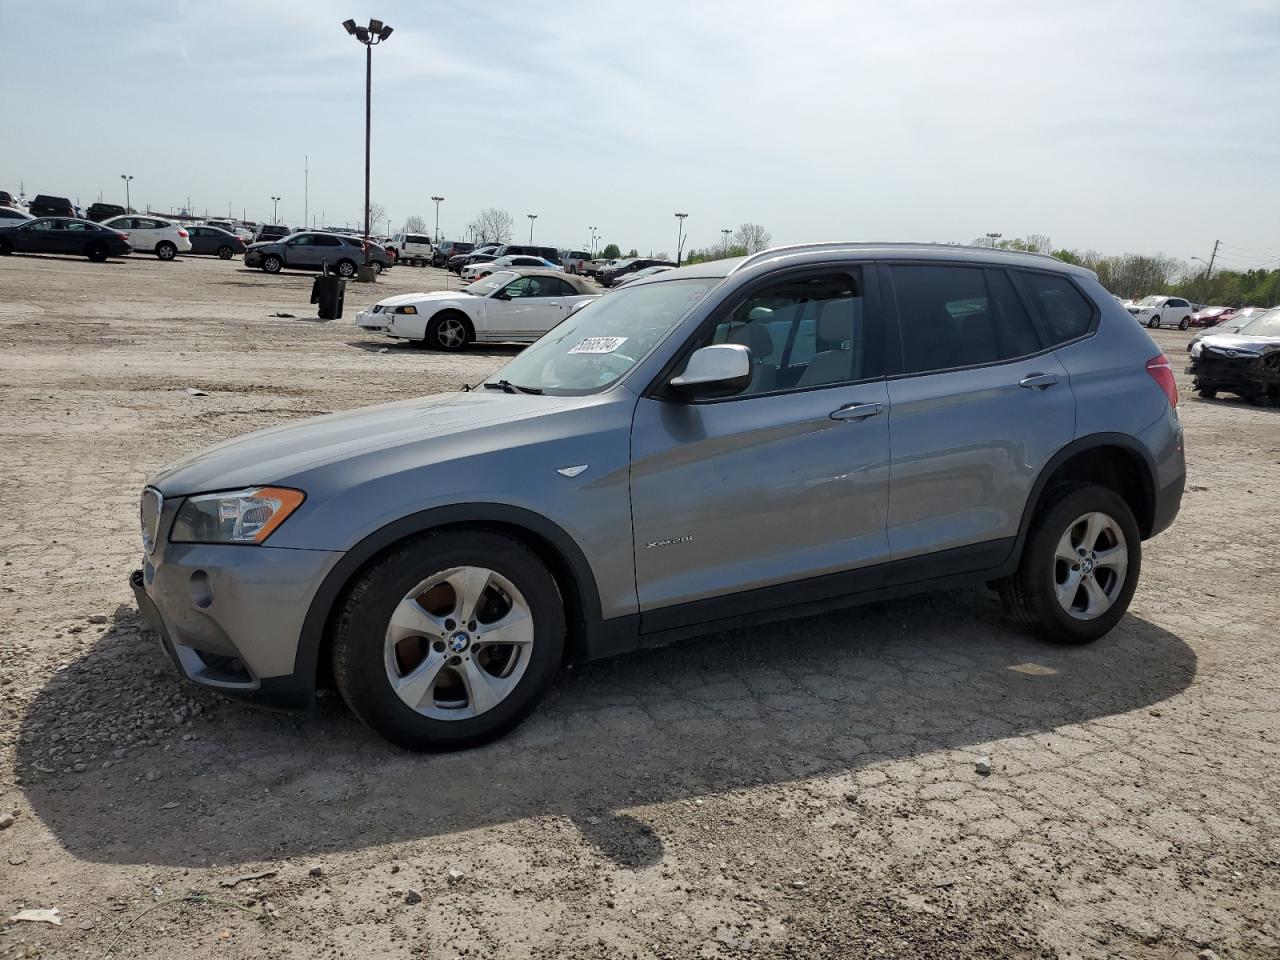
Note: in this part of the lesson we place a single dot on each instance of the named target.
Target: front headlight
(246, 516)
(409, 310)
(1195, 348)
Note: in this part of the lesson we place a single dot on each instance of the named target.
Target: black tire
(440, 328)
(96, 252)
(6, 247)
(346, 269)
(377, 266)
(272, 264)
(360, 631)
(225, 252)
(1184, 323)
(1207, 394)
(1153, 322)
(166, 250)
(1029, 594)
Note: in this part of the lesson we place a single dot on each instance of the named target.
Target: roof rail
(897, 244)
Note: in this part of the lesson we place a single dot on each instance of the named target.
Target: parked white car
(12, 216)
(152, 235)
(413, 249)
(476, 270)
(503, 307)
(1156, 311)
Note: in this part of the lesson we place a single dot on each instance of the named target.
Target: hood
(408, 299)
(1235, 341)
(421, 430)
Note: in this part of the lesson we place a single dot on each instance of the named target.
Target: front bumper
(1246, 374)
(252, 258)
(373, 322)
(230, 617)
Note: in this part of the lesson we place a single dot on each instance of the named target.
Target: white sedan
(503, 307)
(475, 271)
(152, 235)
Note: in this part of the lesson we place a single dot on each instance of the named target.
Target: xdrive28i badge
(668, 542)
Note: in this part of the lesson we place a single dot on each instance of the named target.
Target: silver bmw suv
(731, 442)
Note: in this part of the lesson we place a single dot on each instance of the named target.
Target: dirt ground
(803, 790)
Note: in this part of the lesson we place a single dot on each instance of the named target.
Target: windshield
(1263, 325)
(486, 286)
(606, 338)
(1151, 301)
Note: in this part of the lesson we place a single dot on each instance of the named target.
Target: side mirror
(501, 295)
(720, 370)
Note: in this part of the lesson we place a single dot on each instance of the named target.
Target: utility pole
(679, 235)
(306, 188)
(1213, 256)
(438, 201)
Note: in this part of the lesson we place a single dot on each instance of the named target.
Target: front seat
(837, 321)
(759, 344)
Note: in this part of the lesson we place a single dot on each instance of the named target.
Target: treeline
(1138, 275)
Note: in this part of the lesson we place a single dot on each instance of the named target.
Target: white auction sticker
(599, 345)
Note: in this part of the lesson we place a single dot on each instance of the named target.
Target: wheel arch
(456, 312)
(1114, 460)
(547, 539)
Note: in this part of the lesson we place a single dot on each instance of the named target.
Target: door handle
(857, 411)
(1038, 381)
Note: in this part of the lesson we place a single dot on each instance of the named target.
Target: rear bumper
(230, 617)
(1168, 502)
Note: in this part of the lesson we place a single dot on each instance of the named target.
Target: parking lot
(803, 789)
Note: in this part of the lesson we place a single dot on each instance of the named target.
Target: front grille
(149, 515)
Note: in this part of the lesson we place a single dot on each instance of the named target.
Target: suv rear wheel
(346, 268)
(449, 640)
(1079, 567)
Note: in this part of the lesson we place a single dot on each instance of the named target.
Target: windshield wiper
(509, 387)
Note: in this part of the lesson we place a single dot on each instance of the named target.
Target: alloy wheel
(451, 333)
(459, 643)
(1090, 564)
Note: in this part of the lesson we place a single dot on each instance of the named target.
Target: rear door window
(949, 317)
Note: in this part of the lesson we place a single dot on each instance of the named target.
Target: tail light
(1162, 374)
(181, 232)
(124, 236)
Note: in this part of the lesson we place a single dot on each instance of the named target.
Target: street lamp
(532, 217)
(438, 201)
(679, 235)
(275, 210)
(374, 33)
(593, 241)
(726, 231)
(992, 238)
(126, 177)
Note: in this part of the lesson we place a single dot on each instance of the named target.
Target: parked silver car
(733, 442)
(310, 250)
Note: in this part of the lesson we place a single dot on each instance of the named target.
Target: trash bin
(329, 292)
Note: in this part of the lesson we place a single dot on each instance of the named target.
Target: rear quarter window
(1064, 311)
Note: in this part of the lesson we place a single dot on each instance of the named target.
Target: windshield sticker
(599, 345)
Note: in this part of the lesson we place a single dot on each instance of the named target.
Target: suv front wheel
(449, 640)
(1079, 566)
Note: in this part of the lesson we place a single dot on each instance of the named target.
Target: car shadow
(64, 257)
(201, 781)
(1225, 399)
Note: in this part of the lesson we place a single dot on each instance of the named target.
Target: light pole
(306, 189)
(126, 177)
(438, 200)
(275, 210)
(679, 235)
(532, 217)
(992, 238)
(374, 33)
(593, 242)
(726, 231)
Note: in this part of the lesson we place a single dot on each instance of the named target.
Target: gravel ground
(802, 790)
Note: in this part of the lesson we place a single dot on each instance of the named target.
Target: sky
(1127, 126)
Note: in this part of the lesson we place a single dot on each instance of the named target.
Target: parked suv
(1157, 311)
(164, 238)
(270, 231)
(411, 248)
(307, 250)
(550, 254)
(731, 443)
(44, 205)
(611, 275)
(449, 248)
(101, 211)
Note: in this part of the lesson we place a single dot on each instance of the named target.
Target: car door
(201, 239)
(782, 489)
(977, 407)
(1179, 310)
(300, 250)
(328, 250)
(36, 237)
(525, 309)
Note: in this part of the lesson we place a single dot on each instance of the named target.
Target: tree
(633, 252)
(752, 237)
(377, 213)
(414, 224)
(611, 252)
(492, 225)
